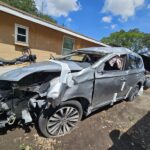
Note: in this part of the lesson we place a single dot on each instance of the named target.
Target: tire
(147, 84)
(60, 121)
(133, 94)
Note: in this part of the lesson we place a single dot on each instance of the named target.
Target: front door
(110, 84)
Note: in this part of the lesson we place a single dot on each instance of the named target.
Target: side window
(134, 62)
(116, 63)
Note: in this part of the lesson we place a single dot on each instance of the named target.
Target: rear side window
(139, 62)
(135, 62)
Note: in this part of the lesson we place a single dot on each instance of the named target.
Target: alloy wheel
(63, 121)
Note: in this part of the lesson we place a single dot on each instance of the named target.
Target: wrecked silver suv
(58, 92)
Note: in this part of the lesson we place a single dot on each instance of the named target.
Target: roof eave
(22, 15)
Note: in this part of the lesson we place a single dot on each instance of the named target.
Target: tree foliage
(146, 40)
(132, 39)
(46, 17)
(30, 7)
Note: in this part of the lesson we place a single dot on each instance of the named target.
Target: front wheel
(60, 121)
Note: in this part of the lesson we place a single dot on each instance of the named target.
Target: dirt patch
(124, 126)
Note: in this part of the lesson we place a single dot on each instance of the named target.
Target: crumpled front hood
(18, 74)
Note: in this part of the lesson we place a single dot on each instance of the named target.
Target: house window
(67, 45)
(21, 34)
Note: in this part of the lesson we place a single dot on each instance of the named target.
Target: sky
(98, 18)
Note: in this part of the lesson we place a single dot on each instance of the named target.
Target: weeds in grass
(25, 147)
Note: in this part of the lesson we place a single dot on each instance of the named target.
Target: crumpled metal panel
(83, 85)
(82, 82)
(71, 85)
(58, 83)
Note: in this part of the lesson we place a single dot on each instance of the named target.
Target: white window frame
(26, 43)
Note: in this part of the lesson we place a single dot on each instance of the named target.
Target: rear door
(135, 71)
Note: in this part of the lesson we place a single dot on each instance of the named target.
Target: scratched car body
(58, 92)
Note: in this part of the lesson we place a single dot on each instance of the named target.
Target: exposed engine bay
(17, 98)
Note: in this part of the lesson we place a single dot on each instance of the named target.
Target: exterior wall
(42, 40)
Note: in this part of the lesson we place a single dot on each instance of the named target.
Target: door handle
(123, 79)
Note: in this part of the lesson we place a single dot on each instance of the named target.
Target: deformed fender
(83, 85)
(65, 73)
(71, 85)
(59, 84)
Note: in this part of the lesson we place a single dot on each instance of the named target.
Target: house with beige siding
(19, 29)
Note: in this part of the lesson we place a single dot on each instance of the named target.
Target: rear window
(135, 62)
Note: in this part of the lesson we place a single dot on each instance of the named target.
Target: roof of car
(120, 50)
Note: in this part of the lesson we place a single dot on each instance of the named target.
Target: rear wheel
(134, 93)
(60, 121)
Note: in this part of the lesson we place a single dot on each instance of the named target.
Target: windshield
(83, 57)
